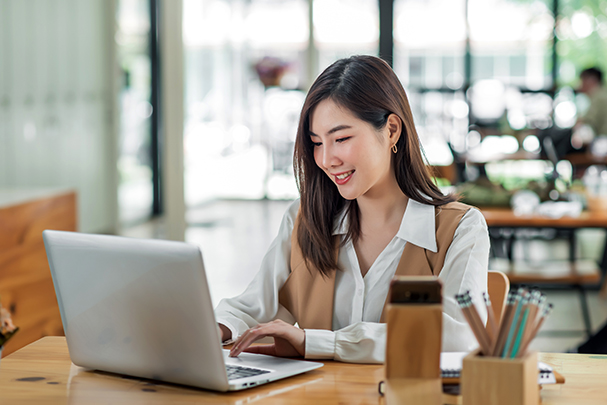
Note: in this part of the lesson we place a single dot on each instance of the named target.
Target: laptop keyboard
(236, 372)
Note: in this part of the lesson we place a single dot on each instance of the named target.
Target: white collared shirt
(357, 335)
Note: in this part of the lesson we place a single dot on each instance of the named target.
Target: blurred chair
(498, 286)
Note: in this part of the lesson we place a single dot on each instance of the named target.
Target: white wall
(57, 108)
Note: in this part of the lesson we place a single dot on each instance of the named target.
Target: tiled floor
(234, 236)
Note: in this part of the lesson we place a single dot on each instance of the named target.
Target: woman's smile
(342, 178)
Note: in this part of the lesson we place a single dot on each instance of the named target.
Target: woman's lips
(343, 178)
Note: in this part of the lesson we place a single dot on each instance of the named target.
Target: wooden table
(582, 160)
(575, 273)
(504, 217)
(43, 373)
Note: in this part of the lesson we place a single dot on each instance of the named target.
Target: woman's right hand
(289, 340)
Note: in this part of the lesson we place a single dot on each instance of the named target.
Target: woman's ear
(394, 126)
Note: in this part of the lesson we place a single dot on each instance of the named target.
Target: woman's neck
(380, 219)
(382, 209)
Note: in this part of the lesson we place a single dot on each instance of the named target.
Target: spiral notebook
(451, 367)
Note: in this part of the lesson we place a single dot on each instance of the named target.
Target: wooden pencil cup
(498, 381)
(413, 349)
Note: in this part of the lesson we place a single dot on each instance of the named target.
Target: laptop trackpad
(278, 364)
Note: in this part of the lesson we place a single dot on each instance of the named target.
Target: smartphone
(415, 290)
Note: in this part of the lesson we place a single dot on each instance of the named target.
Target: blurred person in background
(596, 116)
(557, 142)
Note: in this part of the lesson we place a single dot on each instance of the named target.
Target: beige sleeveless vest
(308, 296)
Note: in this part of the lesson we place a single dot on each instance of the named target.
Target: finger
(252, 336)
(241, 337)
(274, 329)
(237, 342)
(244, 336)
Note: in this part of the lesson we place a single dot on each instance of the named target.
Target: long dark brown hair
(371, 91)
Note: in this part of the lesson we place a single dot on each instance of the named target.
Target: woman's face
(355, 156)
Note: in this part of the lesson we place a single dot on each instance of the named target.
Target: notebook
(451, 367)
(142, 308)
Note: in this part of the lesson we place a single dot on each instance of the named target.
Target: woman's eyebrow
(333, 130)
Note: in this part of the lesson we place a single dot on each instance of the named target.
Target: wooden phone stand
(413, 346)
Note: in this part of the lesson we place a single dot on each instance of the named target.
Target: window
(135, 192)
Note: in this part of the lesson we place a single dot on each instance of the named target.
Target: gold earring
(394, 148)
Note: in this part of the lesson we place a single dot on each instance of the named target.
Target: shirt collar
(417, 225)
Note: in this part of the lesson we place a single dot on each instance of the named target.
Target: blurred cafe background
(176, 119)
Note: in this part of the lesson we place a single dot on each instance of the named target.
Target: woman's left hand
(289, 341)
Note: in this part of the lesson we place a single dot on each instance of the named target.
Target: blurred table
(574, 273)
(480, 157)
(580, 161)
(504, 217)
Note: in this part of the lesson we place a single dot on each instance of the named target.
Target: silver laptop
(142, 308)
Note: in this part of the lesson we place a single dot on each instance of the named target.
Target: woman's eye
(342, 139)
(316, 144)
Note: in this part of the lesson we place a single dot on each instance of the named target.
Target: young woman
(368, 210)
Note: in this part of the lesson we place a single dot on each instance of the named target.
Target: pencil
(478, 330)
(536, 298)
(541, 306)
(520, 332)
(536, 329)
(479, 323)
(505, 323)
(491, 324)
(515, 322)
(465, 310)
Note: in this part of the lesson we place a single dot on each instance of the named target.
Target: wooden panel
(26, 287)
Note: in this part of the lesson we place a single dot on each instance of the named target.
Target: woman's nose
(329, 157)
